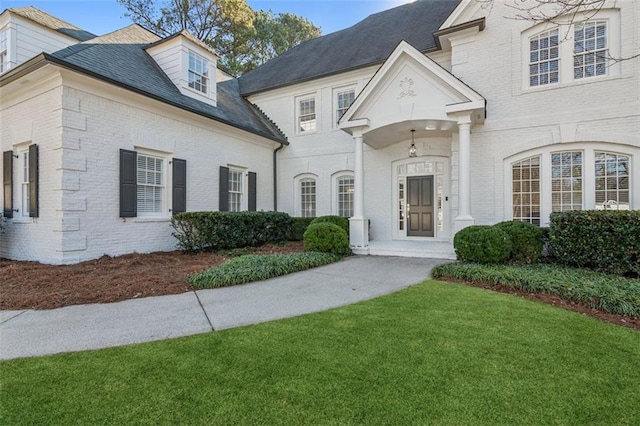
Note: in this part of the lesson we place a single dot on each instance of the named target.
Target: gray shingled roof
(119, 59)
(51, 22)
(369, 42)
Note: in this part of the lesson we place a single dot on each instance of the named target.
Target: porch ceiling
(390, 134)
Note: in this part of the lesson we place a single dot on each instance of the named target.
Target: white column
(464, 218)
(358, 225)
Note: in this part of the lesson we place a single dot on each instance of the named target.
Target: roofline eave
(43, 59)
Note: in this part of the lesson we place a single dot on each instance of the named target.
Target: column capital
(464, 120)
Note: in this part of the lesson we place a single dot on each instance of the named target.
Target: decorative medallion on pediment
(406, 88)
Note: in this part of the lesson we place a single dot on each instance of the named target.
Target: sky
(103, 16)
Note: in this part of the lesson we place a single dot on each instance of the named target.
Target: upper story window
(307, 114)
(544, 58)
(590, 49)
(571, 51)
(198, 73)
(150, 185)
(344, 99)
(4, 51)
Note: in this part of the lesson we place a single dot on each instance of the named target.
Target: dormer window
(4, 51)
(198, 72)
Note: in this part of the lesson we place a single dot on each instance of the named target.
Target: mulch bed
(31, 285)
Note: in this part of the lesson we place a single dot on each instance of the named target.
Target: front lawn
(435, 353)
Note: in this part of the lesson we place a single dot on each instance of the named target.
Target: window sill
(572, 83)
(151, 219)
(22, 220)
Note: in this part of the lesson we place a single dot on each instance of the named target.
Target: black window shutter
(223, 202)
(7, 183)
(179, 195)
(33, 181)
(128, 183)
(252, 192)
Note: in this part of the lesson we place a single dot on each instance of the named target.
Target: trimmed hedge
(606, 292)
(210, 231)
(298, 226)
(244, 269)
(326, 238)
(342, 222)
(526, 240)
(483, 244)
(604, 240)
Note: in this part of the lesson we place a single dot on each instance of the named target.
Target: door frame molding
(443, 179)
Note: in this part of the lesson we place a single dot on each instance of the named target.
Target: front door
(420, 206)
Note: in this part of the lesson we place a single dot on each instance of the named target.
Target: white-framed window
(544, 52)
(612, 175)
(570, 51)
(306, 114)
(308, 197)
(590, 49)
(236, 190)
(344, 99)
(566, 181)
(24, 183)
(198, 73)
(525, 177)
(583, 176)
(344, 193)
(151, 185)
(4, 50)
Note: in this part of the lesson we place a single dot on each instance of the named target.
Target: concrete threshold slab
(95, 326)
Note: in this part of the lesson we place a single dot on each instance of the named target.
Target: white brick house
(505, 120)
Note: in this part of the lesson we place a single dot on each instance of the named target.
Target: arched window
(308, 197)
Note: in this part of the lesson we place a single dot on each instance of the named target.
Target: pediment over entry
(411, 91)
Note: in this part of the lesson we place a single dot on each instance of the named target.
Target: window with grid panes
(343, 102)
(526, 190)
(308, 197)
(236, 187)
(150, 185)
(590, 49)
(307, 115)
(544, 59)
(25, 184)
(4, 51)
(566, 181)
(198, 73)
(612, 180)
(345, 196)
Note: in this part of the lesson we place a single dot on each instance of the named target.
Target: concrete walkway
(82, 327)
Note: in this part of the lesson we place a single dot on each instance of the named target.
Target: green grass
(255, 267)
(606, 292)
(433, 354)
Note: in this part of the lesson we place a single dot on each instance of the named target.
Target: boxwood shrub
(526, 240)
(604, 240)
(210, 231)
(482, 244)
(342, 222)
(326, 238)
(298, 226)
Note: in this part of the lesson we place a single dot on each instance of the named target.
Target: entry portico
(412, 98)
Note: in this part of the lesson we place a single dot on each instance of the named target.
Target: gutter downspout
(275, 176)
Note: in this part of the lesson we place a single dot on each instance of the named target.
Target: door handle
(408, 206)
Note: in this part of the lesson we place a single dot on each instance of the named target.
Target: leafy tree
(242, 37)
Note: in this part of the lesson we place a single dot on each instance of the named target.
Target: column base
(462, 222)
(358, 233)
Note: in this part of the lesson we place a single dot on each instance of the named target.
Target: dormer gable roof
(187, 35)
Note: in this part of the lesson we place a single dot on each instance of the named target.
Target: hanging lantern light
(413, 152)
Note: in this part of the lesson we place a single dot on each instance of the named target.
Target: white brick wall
(79, 193)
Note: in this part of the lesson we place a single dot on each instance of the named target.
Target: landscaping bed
(32, 285)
